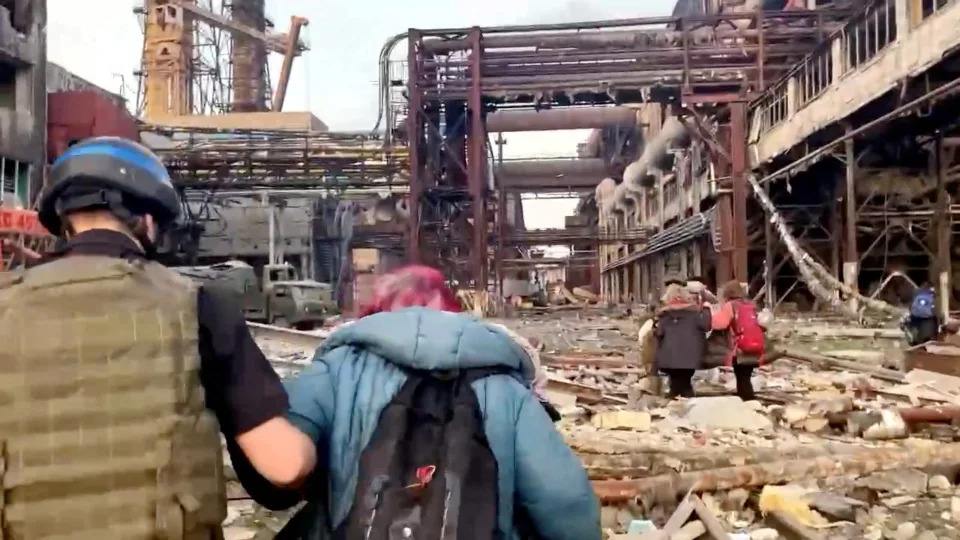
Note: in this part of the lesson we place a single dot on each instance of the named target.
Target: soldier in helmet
(116, 373)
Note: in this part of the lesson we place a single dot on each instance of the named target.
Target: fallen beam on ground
(821, 331)
(590, 395)
(858, 463)
(566, 360)
(938, 357)
(836, 363)
(661, 460)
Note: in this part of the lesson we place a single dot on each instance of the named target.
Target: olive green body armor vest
(104, 433)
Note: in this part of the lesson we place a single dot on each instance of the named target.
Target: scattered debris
(632, 420)
(727, 412)
(841, 443)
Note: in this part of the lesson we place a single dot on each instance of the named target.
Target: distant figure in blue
(519, 478)
(922, 324)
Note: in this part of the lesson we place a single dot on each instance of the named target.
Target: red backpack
(746, 334)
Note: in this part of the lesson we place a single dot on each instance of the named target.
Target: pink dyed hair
(411, 286)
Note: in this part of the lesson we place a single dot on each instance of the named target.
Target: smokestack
(249, 58)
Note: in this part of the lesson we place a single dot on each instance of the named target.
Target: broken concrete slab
(897, 482)
(836, 507)
(765, 534)
(726, 412)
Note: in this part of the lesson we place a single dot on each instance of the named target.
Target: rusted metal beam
(548, 120)
(942, 266)
(476, 179)
(296, 24)
(850, 256)
(836, 363)
(414, 138)
(273, 42)
(930, 415)
(856, 463)
(593, 361)
(738, 163)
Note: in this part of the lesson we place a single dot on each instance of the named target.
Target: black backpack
(428, 472)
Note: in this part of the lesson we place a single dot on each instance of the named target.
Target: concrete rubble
(842, 443)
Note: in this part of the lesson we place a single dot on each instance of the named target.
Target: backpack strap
(733, 331)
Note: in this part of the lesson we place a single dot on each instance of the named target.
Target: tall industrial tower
(203, 57)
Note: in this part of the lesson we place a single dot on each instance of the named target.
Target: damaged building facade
(23, 99)
(852, 147)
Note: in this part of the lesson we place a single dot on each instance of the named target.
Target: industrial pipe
(553, 167)
(549, 120)
(590, 148)
(639, 174)
(598, 39)
(710, 19)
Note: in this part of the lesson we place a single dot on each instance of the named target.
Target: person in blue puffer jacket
(337, 402)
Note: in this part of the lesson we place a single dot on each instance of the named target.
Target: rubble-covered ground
(842, 443)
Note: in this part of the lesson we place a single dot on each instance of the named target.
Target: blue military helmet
(112, 173)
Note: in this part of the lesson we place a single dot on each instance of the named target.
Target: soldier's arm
(246, 394)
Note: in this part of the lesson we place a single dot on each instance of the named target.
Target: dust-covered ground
(826, 452)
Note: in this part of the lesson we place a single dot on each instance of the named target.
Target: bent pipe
(640, 174)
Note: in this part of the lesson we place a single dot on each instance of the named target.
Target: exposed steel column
(414, 136)
(724, 219)
(850, 257)
(476, 180)
(738, 156)
(943, 229)
(770, 271)
(501, 224)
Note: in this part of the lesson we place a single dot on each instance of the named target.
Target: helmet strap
(112, 201)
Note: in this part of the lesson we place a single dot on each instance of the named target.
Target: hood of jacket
(427, 339)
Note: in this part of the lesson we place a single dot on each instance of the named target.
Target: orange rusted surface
(26, 222)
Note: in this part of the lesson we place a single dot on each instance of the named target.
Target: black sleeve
(258, 487)
(241, 387)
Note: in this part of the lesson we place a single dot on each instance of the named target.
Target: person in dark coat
(680, 330)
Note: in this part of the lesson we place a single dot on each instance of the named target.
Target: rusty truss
(210, 57)
(441, 104)
(329, 162)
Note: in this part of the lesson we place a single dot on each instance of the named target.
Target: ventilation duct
(656, 156)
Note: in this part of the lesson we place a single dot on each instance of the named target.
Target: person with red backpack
(737, 333)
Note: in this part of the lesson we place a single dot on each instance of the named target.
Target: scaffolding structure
(206, 57)
(453, 80)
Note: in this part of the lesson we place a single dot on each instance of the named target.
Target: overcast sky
(337, 78)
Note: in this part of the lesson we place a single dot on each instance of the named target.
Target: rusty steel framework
(884, 219)
(210, 57)
(202, 159)
(454, 78)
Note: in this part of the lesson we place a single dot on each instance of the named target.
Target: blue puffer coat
(337, 402)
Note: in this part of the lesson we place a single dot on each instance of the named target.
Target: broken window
(20, 13)
(8, 86)
(15, 180)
